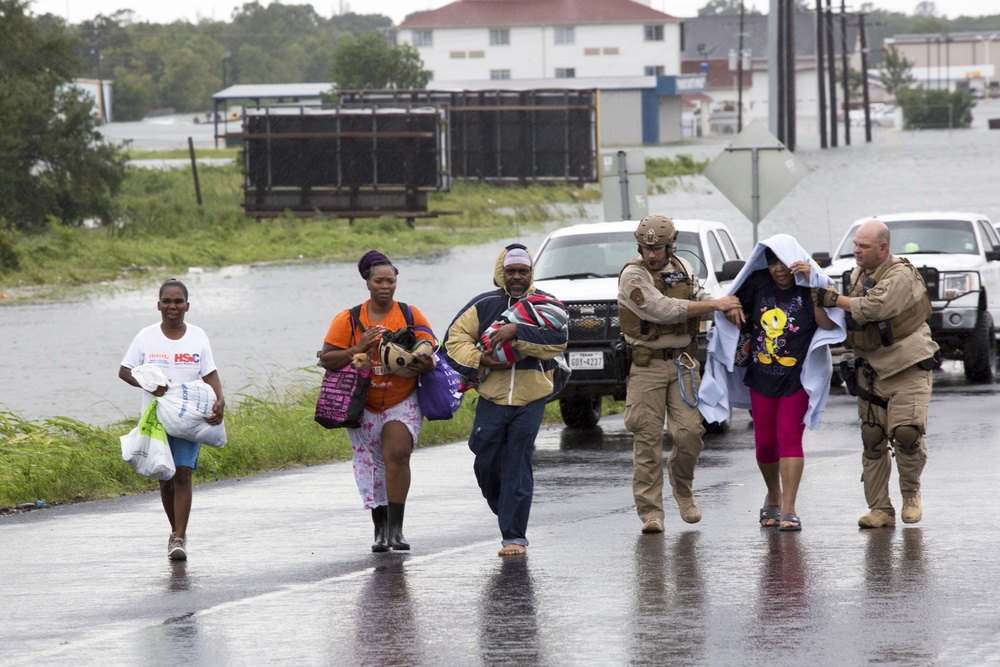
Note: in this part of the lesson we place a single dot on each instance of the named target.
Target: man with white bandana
(513, 390)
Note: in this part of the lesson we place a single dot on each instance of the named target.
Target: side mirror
(823, 259)
(993, 255)
(730, 270)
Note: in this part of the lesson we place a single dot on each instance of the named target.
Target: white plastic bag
(182, 411)
(145, 447)
(149, 377)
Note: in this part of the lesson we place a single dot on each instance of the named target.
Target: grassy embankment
(161, 230)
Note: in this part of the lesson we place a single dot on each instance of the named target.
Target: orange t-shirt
(386, 389)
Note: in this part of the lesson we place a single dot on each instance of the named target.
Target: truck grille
(593, 321)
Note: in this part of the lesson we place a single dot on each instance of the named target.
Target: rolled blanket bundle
(534, 310)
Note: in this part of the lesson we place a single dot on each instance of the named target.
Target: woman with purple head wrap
(370, 260)
(392, 418)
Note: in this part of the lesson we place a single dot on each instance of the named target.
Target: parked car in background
(880, 113)
(580, 266)
(958, 255)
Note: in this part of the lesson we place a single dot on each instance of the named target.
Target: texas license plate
(586, 361)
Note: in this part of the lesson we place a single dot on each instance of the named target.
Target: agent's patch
(637, 297)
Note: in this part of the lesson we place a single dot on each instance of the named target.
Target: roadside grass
(160, 230)
(61, 460)
(664, 175)
(179, 153)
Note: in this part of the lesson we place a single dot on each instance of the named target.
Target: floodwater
(266, 322)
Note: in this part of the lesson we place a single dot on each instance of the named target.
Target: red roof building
(544, 39)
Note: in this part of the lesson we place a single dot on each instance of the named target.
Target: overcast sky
(167, 11)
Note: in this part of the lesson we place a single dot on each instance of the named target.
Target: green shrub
(927, 109)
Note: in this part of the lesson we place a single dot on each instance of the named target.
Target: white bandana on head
(516, 256)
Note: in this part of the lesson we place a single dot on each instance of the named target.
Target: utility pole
(101, 115)
(790, 112)
(831, 73)
(845, 70)
(739, 74)
(864, 77)
(819, 75)
(779, 37)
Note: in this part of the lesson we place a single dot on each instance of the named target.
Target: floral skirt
(366, 440)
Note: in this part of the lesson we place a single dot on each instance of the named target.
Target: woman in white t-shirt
(183, 353)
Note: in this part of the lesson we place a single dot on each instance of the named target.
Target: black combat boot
(396, 539)
(380, 517)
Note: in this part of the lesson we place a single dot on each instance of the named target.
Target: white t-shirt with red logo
(184, 360)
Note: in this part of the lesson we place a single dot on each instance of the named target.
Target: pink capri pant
(778, 425)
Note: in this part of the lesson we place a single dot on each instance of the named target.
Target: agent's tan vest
(901, 326)
(638, 328)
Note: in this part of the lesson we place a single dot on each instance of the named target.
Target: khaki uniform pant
(909, 395)
(653, 393)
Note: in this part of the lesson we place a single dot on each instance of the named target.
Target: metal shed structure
(508, 135)
(351, 162)
(259, 95)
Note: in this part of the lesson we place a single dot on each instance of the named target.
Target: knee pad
(907, 438)
(874, 440)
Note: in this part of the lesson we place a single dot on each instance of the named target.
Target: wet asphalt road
(280, 569)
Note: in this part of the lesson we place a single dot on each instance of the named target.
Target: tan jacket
(637, 293)
(899, 289)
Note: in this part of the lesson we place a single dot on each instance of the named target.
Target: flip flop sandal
(770, 512)
(792, 519)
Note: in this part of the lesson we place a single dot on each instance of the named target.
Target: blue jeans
(503, 440)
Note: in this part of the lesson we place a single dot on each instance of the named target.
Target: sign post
(772, 168)
(623, 185)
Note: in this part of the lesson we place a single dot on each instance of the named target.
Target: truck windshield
(603, 255)
(912, 237)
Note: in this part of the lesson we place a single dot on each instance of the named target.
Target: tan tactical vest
(640, 329)
(901, 325)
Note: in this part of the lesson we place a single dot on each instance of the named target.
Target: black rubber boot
(380, 517)
(396, 539)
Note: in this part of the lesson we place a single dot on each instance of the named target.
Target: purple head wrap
(370, 260)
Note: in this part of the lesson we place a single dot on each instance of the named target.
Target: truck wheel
(980, 358)
(580, 411)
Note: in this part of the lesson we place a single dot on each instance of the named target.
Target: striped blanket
(536, 310)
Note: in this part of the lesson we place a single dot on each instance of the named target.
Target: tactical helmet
(655, 231)
(398, 348)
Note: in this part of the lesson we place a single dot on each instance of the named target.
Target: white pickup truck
(580, 264)
(958, 255)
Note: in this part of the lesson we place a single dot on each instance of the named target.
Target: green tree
(369, 63)
(133, 95)
(895, 74)
(187, 83)
(935, 108)
(726, 7)
(55, 163)
(854, 82)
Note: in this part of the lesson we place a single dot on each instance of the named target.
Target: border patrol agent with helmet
(887, 307)
(660, 305)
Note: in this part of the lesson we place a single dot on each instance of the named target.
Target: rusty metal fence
(378, 153)
(508, 135)
(352, 162)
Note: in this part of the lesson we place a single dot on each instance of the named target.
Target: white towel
(722, 385)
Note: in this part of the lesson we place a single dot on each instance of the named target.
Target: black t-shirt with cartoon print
(783, 326)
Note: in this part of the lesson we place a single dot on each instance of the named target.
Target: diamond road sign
(777, 171)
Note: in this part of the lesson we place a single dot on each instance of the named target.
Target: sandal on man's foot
(769, 516)
(792, 519)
